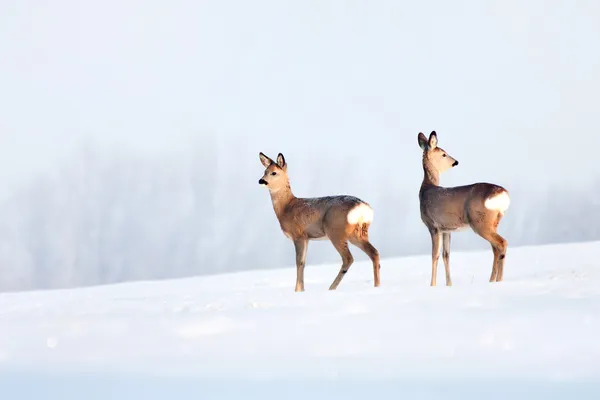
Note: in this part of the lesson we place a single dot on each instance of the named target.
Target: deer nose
(261, 181)
(455, 163)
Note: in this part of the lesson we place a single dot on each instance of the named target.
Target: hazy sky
(510, 86)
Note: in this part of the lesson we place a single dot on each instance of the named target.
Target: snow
(249, 335)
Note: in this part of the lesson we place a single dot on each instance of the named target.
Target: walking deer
(479, 206)
(341, 219)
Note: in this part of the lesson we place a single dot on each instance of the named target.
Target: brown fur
(305, 219)
(444, 210)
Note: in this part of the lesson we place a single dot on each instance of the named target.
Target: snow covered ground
(248, 335)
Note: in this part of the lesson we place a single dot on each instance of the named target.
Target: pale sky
(503, 82)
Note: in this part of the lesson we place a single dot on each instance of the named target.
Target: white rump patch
(361, 213)
(499, 202)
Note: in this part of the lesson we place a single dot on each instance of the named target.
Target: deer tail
(361, 216)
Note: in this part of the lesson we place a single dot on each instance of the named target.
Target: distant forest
(107, 216)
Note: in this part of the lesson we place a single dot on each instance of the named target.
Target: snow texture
(249, 335)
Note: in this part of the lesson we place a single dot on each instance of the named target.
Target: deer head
(275, 176)
(435, 156)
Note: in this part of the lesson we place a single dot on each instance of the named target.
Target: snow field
(538, 329)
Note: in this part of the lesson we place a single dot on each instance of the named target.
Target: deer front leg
(436, 245)
(446, 256)
(301, 245)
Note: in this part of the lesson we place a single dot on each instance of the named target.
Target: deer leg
(446, 256)
(499, 248)
(485, 226)
(301, 245)
(373, 254)
(495, 265)
(501, 245)
(347, 260)
(436, 244)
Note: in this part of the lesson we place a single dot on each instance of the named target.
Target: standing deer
(479, 206)
(341, 219)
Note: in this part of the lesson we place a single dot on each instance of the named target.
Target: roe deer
(341, 219)
(479, 206)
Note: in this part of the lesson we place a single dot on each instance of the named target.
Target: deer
(339, 218)
(478, 206)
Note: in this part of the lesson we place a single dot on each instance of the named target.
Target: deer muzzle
(262, 182)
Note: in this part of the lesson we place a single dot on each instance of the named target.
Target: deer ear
(433, 140)
(281, 161)
(423, 141)
(266, 161)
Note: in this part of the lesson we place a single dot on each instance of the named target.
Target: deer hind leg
(436, 244)
(499, 246)
(446, 257)
(370, 250)
(342, 247)
(495, 265)
(301, 245)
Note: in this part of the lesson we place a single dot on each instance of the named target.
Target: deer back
(455, 208)
(318, 217)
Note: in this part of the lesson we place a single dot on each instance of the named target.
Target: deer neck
(431, 176)
(281, 198)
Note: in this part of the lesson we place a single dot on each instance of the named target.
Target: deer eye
(444, 155)
(273, 173)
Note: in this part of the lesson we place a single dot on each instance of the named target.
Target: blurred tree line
(113, 216)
